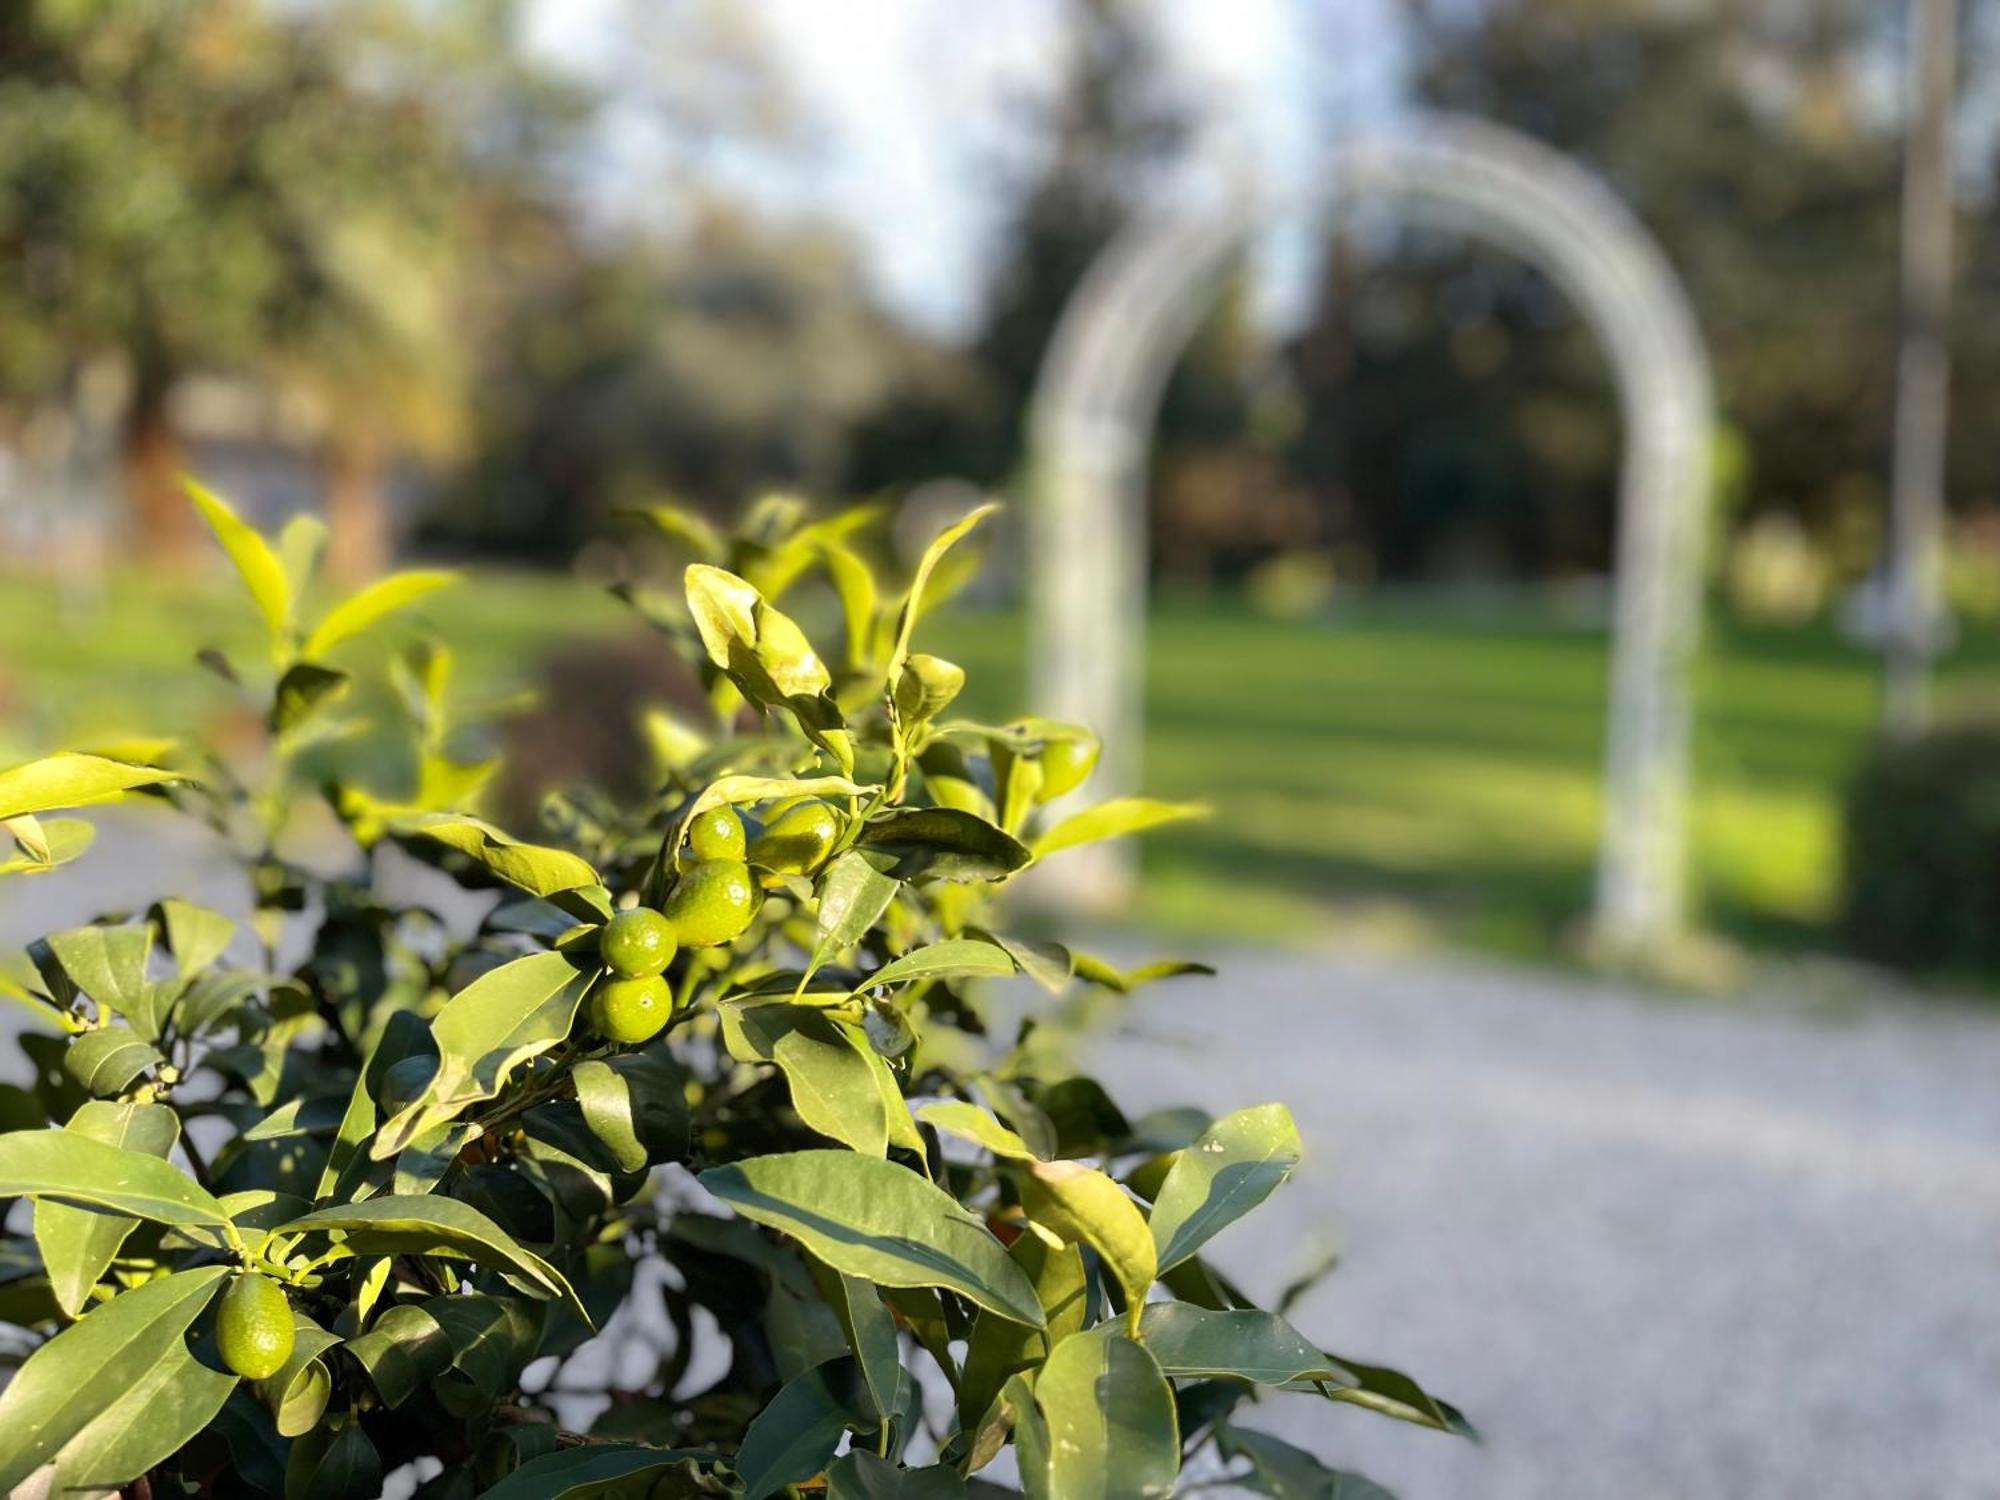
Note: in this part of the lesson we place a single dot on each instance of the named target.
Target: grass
(1404, 763)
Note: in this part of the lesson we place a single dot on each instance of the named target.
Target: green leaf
(1248, 1344)
(72, 1168)
(998, 1348)
(68, 779)
(970, 1122)
(599, 1469)
(105, 1062)
(77, 1245)
(542, 872)
(870, 1332)
(1082, 1205)
(913, 602)
(1113, 819)
(882, 1222)
(196, 936)
(334, 1463)
(1235, 1166)
(853, 894)
(860, 1475)
(795, 1436)
(1112, 1430)
(855, 586)
(766, 655)
(1048, 964)
(954, 958)
(109, 965)
(363, 608)
(405, 1348)
(297, 1395)
(134, 1342)
(45, 843)
(1392, 1394)
(301, 540)
(301, 691)
(488, 1029)
(636, 1104)
(679, 524)
(263, 572)
(492, 1340)
(427, 1224)
(943, 843)
(1279, 1469)
(832, 1088)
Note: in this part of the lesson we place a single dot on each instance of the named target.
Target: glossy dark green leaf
(860, 1475)
(870, 1334)
(832, 1086)
(999, 1348)
(879, 1221)
(334, 1463)
(196, 936)
(427, 1224)
(492, 1340)
(853, 893)
(488, 1029)
(636, 1104)
(109, 965)
(72, 1168)
(1393, 1394)
(1248, 1344)
(106, 1062)
(795, 1436)
(1238, 1162)
(954, 958)
(1109, 1412)
(297, 1395)
(77, 1245)
(943, 843)
(136, 1341)
(600, 1469)
(1286, 1472)
(405, 1347)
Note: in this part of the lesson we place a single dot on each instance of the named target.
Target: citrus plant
(675, 1154)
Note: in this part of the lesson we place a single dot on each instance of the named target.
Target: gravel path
(1656, 1249)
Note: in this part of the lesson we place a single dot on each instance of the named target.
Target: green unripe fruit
(925, 687)
(637, 943)
(253, 1328)
(797, 840)
(1065, 764)
(712, 903)
(631, 1010)
(404, 1080)
(716, 834)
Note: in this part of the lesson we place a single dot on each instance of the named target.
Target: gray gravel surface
(1653, 1247)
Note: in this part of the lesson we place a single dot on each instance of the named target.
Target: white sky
(908, 105)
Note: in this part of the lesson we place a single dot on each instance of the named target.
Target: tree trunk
(357, 510)
(163, 529)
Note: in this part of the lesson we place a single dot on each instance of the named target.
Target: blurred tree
(1453, 383)
(235, 188)
(1106, 130)
(735, 356)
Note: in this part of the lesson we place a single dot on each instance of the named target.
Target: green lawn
(1405, 764)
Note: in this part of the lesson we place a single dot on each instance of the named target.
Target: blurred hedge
(1923, 852)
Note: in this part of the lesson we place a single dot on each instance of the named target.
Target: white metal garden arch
(1129, 323)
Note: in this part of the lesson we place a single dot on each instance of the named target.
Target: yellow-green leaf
(262, 569)
(70, 779)
(363, 608)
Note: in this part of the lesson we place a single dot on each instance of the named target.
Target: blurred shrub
(1923, 852)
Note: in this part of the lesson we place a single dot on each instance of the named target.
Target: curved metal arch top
(1131, 320)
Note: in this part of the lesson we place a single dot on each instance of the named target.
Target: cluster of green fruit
(711, 904)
